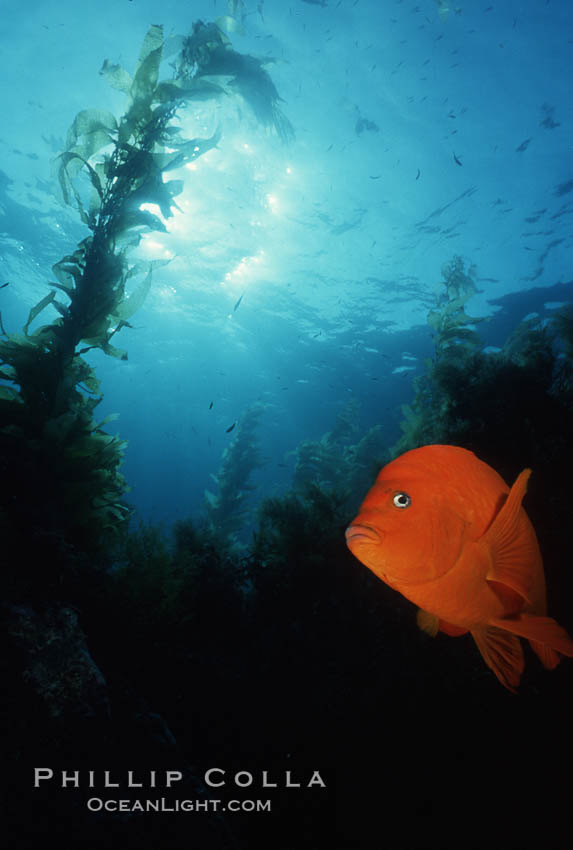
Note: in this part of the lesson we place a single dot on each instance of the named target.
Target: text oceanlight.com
(97, 804)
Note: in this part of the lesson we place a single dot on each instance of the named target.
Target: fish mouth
(362, 532)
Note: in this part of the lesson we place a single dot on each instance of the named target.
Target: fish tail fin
(501, 652)
(548, 639)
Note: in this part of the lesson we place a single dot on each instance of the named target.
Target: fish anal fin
(508, 547)
(548, 639)
(501, 652)
(548, 657)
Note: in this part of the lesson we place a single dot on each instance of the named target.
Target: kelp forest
(248, 638)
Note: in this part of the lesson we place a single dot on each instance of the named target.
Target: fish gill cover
(278, 294)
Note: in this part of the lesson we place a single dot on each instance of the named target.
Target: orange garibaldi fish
(443, 529)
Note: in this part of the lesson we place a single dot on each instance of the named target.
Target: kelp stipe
(62, 491)
(508, 405)
(453, 327)
(228, 509)
(339, 463)
(562, 322)
(457, 353)
(297, 542)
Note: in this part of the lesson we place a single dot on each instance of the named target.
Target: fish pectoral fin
(431, 624)
(501, 652)
(427, 622)
(508, 549)
(548, 639)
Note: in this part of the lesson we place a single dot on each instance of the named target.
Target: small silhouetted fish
(456, 160)
(523, 146)
(211, 406)
(418, 174)
(236, 307)
(365, 124)
(5, 284)
(375, 176)
(563, 188)
(230, 428)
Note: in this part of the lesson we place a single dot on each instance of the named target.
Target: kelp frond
(59, 468)
(207, 52)
(453, 328)
(228, 509)
(485, 399)
(339, 463)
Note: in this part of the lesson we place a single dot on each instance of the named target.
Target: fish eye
(401, 500)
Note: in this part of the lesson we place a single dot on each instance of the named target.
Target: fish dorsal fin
(509, 549)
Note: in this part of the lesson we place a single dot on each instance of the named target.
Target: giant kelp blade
(188, 151)
(197, 89)
(210, 498)
(91, 131)
(111, 417)
(228, 24)
(117, 77)
(7, 373)
(139, 218)
(155, 191)
(10, 394)
(67, 184)
(79, 162)
(35, 311)
(69, 269)
(147, 71)
(130, 305)
(283, 126)
(118, 353)
(142, 89)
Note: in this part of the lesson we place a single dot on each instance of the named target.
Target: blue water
(420, 135)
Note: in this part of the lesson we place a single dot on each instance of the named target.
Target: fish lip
(362, 532)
